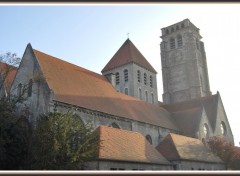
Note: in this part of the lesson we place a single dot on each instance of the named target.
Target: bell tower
(184, 65)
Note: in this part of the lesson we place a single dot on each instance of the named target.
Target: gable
(128, 53)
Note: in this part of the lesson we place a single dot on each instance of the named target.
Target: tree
(226, 151)
(62, 141)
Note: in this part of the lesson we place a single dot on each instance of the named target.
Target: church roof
(75, 85)
(185, 110)
(188, 120)
(178, 147)
(7, 72)
(123, 145)
(128, 53)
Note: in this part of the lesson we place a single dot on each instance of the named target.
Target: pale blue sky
(89, 35)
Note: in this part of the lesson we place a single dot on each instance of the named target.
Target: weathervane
(128, 35)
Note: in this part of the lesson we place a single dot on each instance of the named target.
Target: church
(138, 131)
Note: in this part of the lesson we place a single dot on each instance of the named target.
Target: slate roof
(9, 72)
(75, 85)
(178, 147)
(188, 110)
(128, 53)
(123, 145)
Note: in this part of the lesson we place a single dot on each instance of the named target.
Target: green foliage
(14, 138)
(62, 141)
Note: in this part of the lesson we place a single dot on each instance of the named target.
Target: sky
(88, 35)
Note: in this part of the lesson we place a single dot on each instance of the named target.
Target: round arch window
(148, 137)
(206, 130)
(223, 128)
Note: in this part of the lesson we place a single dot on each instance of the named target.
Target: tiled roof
(74, 85)
(8, 72)
(128, 53)
(188, 120)
(123, 145)
(178, 147)
(209, 103)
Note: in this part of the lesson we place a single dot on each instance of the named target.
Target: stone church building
(138, 131)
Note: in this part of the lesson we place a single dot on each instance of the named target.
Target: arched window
(177, 28)
(223, 128)
(126, 90)
(149, 139)
(30, 88)
(145, 78)
(146, 96)
(172, 29)
(114, 125)
(152, 97)
(126, 75)
(179, 40)
(167, 31)
(140, 93)
(151, 81)
(172, 43)
(206, 130)
(19, 89)
(139, 75)
(182, 25)
(117, 78)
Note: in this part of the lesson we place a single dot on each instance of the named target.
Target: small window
(139, 75)
(172, 43)
(117, 78)
(177, 28)
(114, 125)
(126, 75)
(179, 41)
(152, 97)
(146, 96)
(182, 25)
(19, 89)
(151, 81)
(149, 139)
(126, 91)
(140, 93)
(30, 88)
(223, 128)
(145, 78)
(206, 130)
(167, 31)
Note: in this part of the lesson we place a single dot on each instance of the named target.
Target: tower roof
(128, 53)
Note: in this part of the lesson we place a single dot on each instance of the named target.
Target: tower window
(172, 43)
(140, 93)
(151, 81)
(179, 40)
(197, 43)
(223, 128)
(126, 75)
(117, 78)
(146, 96)
(182, 25)
(145, 78)
(114, 125)
(30, 88)
(126, 91)
(167, 31)
(139, 75)
(206, 130)
(177, 28)
(172, 29)
(149, 139)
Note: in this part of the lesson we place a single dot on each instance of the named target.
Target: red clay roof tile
(123, 145)
(128, 53)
